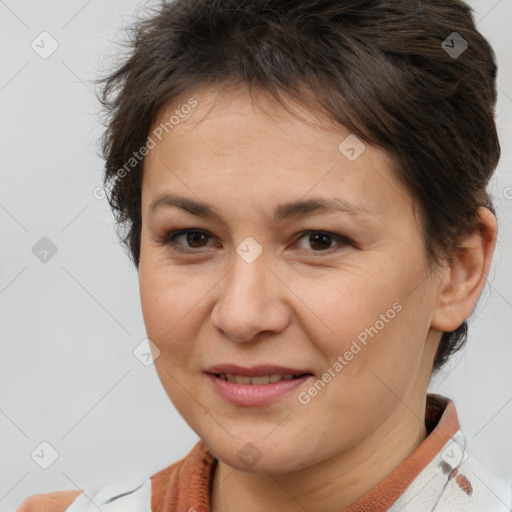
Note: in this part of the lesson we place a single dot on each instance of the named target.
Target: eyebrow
(296, 209)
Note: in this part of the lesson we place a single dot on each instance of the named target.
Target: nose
(251, 301)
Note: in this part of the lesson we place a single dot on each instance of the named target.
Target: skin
(296, 305)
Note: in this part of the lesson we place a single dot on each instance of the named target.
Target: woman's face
(343, 292)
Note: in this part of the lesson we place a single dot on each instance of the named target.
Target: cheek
(343, 306)
(368, 321)
(164, 305)
(169, 327)
(174, 307)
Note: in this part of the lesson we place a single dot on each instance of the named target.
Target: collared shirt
(439, 476)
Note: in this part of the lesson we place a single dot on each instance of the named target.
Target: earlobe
(467, 274)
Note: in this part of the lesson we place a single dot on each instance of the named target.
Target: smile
(263, 379)
(262, 390)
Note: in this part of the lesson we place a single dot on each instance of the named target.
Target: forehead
(235, 146)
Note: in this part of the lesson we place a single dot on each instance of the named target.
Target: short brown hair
(382, 69)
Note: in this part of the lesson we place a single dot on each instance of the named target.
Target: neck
(333, 484)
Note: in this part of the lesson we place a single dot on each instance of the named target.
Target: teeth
(263, 379)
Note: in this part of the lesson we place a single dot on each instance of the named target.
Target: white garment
(431, 491)
(122, 496)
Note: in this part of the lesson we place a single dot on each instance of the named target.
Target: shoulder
(49, 502)
(131, 494)
(122, 495)
(471, 486)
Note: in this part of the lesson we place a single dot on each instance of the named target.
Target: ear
(465, 278)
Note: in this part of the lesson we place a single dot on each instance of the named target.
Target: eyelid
(341, 239)
(168, 239)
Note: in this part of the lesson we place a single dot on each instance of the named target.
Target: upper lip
(255, 371)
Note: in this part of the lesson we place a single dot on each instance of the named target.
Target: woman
(243, 134)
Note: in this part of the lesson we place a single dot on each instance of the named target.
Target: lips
(256, 371)
(255, 394)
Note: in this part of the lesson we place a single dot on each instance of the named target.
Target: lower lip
(255, 394)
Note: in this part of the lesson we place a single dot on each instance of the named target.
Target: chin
(257, 454)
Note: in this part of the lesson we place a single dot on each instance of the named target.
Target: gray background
(68, 327)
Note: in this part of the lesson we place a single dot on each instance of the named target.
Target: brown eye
(192, 239)
(321, 241)
(316, 241)
(195, 238)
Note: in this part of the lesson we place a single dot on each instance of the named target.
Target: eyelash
(168, 240)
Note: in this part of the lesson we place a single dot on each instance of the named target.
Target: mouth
(256, 386)
(258, 380)
(262, 370)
